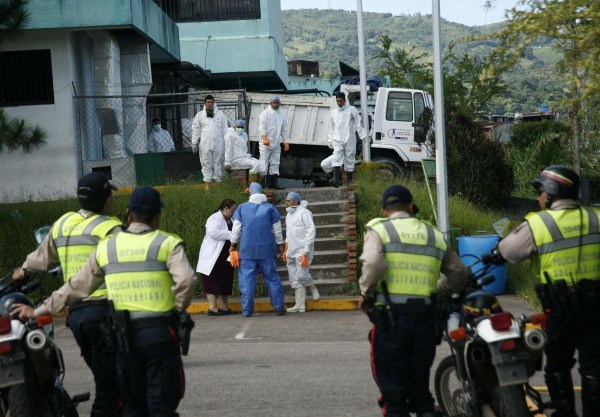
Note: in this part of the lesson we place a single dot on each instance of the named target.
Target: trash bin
(471, 248)
(149, 169)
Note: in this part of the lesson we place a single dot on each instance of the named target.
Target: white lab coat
(236, 153)
(216, 235)
(210, 132)
(160, 140)
(273, 124)
(342, 125)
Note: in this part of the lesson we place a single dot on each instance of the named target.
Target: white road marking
(242, 333)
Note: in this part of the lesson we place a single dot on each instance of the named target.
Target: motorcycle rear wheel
(454, 400)
(509, 401)
(20, 401)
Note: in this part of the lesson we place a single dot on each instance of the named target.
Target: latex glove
(330, 145)
(303, 261)
(194, 147)
(234, 258)
(286, 146)
(284, 254)
(265, 140)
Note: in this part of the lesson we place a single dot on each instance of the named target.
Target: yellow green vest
(413, 251)
(135, 268)
(568, 244)
(76, 237)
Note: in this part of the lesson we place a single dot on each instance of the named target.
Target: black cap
(397, 194)
(145, 201)
(94, 188)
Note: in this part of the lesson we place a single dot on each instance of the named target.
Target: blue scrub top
(257, 240)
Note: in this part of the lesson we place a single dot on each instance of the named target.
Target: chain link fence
(113, 133)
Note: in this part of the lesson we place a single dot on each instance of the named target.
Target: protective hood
(258, 198)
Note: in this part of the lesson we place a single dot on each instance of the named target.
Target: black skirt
(220, 280)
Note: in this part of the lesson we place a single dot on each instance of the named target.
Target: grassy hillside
(329, 36)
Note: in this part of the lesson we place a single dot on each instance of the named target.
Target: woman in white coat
(216, 273)
(300, 235)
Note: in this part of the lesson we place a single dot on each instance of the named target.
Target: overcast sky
(467, 12)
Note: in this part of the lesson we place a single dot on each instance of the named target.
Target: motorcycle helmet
(480, 303)
(8, 302)
(558, 181)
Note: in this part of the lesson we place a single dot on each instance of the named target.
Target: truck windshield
(399, 107)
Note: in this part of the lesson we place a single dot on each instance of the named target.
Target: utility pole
(363, 82)
(440, 127)
(575, 119)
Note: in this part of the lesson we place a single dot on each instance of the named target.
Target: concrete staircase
(330, 266)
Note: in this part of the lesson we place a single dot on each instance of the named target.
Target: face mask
(156, 128)
(342, 106)
(290, 210)
(239, 130)
(210, 112)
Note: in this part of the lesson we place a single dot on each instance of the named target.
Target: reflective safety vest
(568, 244)
(413, 251)
(76, 237)
(136, 273)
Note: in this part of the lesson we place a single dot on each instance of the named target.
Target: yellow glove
(265, 140)
(284, 254)
(234, 258)
(303, 261)
(286, 146)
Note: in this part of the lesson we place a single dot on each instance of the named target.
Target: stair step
(336, 231)
(314, 193)
(324, 219)
(320, 207)
(319, 272)
(324, 243)
(326, 257)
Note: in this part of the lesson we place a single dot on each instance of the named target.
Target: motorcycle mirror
(503, 226)
(41, 233)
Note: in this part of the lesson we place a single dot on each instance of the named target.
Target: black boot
(590, 395)
(337, 173)
(560, 388)
(274, 182)
(350, 177)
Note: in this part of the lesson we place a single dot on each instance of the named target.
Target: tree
(574, 25)
(16, 133)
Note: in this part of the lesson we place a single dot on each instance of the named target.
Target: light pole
(363, 81)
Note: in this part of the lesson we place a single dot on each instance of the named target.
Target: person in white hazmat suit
(273, 130)
(299, 250)
(209, 128)
(236, 150)
(343, 122)
(159, 139)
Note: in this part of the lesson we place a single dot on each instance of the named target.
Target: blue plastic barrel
(471, 248)
(544, 108)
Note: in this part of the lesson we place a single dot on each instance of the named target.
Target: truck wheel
(389, 168)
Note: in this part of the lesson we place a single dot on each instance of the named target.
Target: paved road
(311, 364)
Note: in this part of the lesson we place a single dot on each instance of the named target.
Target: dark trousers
(151, 374)
(401, 359)
(577, 330)
(85, 322)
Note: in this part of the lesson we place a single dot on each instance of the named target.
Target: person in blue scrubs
(256, 241)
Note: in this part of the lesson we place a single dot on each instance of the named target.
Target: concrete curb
(264, 305)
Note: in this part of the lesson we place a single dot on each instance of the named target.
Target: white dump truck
(399, 123)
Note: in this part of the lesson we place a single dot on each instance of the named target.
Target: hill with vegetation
(329, 36)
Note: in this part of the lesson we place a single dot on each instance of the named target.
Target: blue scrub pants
(247, 276)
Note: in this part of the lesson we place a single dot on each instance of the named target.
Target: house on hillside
(84, 69)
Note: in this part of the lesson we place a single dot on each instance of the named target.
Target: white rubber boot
(314, 292)
(300, 306)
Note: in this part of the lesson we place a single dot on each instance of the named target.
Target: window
(210, 10)
(399, 107)
(26, 78)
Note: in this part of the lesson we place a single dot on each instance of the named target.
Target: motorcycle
(493, 354)
(31, 364)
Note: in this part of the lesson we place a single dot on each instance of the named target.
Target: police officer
(563, 241)
(71, 240)
(401, 262)
(147, 276)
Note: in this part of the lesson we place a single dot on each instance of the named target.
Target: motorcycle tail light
(44, 320)
(501, 321)
(458, 334)
(539, 320)
(509, 344)
(5, 347)
(5, 324)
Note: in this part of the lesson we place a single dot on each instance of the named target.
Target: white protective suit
(342, 125)
(210, 132)
(273, 124)
(300, 238)
(160, 140)
(236, 153)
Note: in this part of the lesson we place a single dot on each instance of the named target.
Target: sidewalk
(326, 303)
